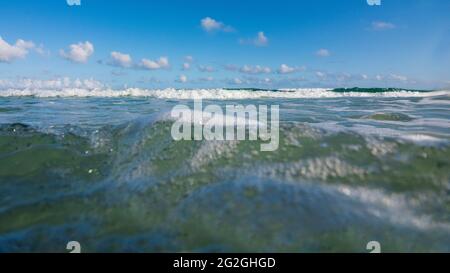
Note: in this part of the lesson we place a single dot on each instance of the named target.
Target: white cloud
(398, 77)
(51, 84)
(182, 79)
(237, 81)
(380, 25)
(41, 50)
(121, 59)
(285, 69)
(391, 77)
(323, 52)
(210, 25)
(19, 50)
(344, 77)
(186, 66)
(260, 40)
(78, 53)
(255, 69)
(162, 62)
(24, 44)
(321, 74)
(250, 80)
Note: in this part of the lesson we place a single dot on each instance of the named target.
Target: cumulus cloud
(50, 84)
(187, 62)
(186, 66)
(345, 77)
(267, 80)
(24, 44)
(211, 25)
(380, 25)
(260, 40)
(161, 63)
(392, 77)
(285, 69)
(121, 59)
(341, 77)
(396, 77)
(250, 80)
(247, 69)
(19, 50)
(78, 53)
(237, 81)
(323, 52)
(41, 50)
(182, 79)
(321, 75)
(124, 60)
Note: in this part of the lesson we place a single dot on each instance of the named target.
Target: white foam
(218, 94)
(394, 207)
(368, 130)
(197, 117)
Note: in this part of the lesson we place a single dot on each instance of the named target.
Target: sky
(232, 43)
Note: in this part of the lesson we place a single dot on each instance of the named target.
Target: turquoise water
(352, 167)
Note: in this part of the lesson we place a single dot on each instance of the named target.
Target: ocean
(100, 167)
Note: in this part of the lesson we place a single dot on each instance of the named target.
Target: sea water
(100, 167)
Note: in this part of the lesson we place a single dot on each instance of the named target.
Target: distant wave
(376, 90)
(219, 93)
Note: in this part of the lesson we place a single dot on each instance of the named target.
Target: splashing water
(100, 167)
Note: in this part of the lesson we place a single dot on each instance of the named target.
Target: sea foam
(216, 94)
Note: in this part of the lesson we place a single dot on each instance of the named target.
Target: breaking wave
(219, 93)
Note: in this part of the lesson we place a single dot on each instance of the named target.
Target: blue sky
(271, 44)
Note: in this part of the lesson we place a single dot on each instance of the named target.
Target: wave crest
(218, 94)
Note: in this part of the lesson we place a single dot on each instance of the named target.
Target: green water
(107, 173)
